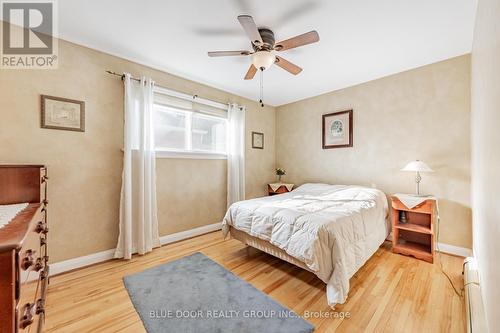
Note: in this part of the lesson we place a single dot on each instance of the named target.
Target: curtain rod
(178, 94)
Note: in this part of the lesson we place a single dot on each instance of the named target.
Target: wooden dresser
(23, 249)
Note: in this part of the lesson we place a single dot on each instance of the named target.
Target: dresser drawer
(32, 246)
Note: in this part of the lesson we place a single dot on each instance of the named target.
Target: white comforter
(332, 229)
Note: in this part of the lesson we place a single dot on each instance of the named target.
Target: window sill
(190, 155)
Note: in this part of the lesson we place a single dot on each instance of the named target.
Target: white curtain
(236, 154)
(138, 214)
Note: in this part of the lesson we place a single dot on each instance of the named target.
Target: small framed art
(63, 114)
(337, 129)
(257, 140)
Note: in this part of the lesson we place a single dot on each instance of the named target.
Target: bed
(330, 230)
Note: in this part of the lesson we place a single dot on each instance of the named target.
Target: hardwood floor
(390, 293)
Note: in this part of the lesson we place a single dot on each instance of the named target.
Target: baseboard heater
(474, 310)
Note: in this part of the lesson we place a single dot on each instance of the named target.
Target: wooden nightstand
(415, 237)
(278, 188)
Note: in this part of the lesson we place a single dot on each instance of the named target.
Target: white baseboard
(455, 250)
(70, 264)
(190, 233)
(67, 265)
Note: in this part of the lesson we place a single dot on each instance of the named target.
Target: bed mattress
(332, 229)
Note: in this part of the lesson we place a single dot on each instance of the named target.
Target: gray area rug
(195, 294)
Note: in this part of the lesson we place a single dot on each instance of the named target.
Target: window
(189, 133)
(208, 133)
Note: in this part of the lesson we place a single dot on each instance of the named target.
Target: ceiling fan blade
(250, 28)
(288, 66)
(227, 53)
(251, 72)
(300, 40)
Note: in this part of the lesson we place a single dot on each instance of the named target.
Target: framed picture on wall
(337, 129)
(257, 140)
(63, 114)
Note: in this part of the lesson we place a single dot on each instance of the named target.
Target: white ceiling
(360, 40)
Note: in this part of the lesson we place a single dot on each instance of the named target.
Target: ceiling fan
(264, 48)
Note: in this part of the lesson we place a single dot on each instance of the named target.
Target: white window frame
(192, 154)
(197, 155)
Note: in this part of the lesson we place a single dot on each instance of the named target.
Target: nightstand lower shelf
(417, 250)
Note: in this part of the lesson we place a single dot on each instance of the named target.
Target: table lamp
(417, 167)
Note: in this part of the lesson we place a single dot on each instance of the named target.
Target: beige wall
(423, 113)
(419, 114)
(85, 168)
(486, 155)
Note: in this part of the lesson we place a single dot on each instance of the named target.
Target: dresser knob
(40, 226)
(38, 265)
(40, 306)
(43, 274)
(27, 315)
(28, 260)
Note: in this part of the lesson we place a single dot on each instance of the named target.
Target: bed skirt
(265, 246)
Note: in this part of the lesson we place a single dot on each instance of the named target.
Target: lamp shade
(417, 166)
(263, 59)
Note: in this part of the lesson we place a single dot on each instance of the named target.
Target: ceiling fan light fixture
(263, 59)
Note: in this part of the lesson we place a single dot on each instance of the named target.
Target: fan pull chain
(261, 101)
